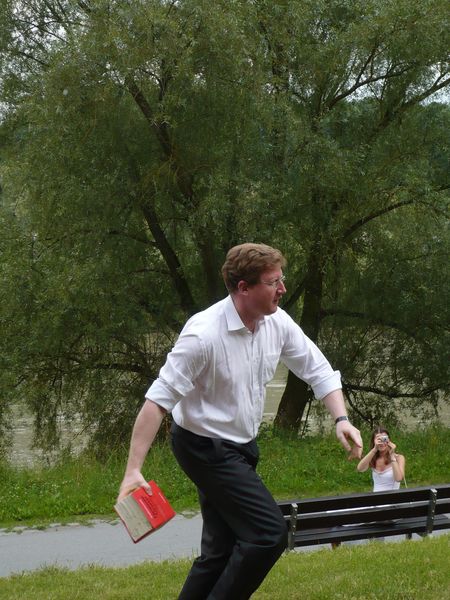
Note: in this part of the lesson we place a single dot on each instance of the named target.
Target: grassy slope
(290, 468)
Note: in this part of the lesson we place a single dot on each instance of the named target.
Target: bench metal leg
(335, 545)
(292, 526)
(431, 511)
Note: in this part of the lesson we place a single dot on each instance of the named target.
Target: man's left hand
(350, 438)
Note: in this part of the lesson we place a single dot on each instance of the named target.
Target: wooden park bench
(332, 520)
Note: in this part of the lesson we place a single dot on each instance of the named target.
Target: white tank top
(384, 481)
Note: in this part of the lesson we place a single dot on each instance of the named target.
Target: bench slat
(377, 513)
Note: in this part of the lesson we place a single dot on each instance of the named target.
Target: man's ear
(242, 287)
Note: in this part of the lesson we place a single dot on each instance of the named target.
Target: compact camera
(384, 438)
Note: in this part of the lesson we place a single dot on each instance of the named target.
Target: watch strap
(339, 419)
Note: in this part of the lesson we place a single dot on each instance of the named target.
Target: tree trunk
(297, 393)
(214, 283)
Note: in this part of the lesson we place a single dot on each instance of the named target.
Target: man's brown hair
(247, 261)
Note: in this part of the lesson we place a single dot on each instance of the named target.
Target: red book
(142, 514)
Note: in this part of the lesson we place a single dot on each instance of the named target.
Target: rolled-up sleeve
(177, 377)
(303, 357)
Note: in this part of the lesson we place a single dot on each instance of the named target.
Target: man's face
(263, 297)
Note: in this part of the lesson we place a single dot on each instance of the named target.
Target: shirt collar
(234, 321)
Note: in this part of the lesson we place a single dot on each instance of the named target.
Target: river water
(22, 453)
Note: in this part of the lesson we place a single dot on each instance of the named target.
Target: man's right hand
(131, 482)
(145, 429)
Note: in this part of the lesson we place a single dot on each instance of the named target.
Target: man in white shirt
(213, 383)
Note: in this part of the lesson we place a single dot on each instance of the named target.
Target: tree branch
(296, 294)
(375, 215)
(391, 393)
(432, 90)
(185, 185)
(370, 318)
(354, 407)
(171, 259)
(183, 178)
(28, 56)
(146, 109)
(358, 84)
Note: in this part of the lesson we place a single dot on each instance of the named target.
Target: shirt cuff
(162, 395)
(328, 385)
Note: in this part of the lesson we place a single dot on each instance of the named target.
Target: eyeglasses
(275, 284)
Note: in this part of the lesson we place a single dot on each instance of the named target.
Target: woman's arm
(364, 463)
(397, 461)
(398, 466)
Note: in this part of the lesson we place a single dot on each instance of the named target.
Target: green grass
(82, 488)
(374, 571)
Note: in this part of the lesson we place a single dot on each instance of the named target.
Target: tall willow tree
(363, 153)
(140, 140)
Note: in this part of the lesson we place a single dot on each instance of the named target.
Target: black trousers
(243, 530)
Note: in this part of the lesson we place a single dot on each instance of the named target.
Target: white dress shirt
(214, 379)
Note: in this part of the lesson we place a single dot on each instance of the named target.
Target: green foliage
(139, 141)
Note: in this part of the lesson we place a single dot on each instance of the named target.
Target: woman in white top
(388, 467)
